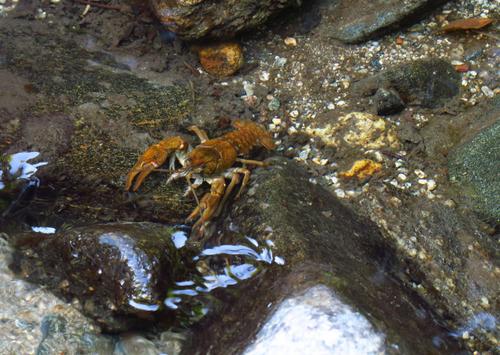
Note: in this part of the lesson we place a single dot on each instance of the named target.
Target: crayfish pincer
(212, 161)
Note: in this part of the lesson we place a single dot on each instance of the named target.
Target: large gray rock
(425, 82)
(322, 242)
(360, 20)
(193, 19)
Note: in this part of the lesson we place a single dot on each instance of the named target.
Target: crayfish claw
(152, 158)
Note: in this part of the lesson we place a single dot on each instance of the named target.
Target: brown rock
(221, 59)
(193, 19)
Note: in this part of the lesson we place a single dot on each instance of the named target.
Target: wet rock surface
(321, 241)
(360, 20)
(474, 166)
(209, 18)
(120, 272)
(427, 83)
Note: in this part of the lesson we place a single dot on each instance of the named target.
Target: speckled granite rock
(475, 165)
(193, 19)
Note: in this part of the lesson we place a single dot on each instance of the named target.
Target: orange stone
(362, 169)
(222, 59)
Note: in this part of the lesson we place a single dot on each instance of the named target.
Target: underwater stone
(316, 322)
(359, 20)
(475, 166)
(426, 82)
(214, 18)
(120, 272)
(322, 241)
(388, 102)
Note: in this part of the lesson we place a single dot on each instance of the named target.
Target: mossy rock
(475, 167)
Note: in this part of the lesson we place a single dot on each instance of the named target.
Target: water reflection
(17, 178)
(250, 258)
(19, 168)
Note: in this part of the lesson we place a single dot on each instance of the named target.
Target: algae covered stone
(120, 272)
(475, 166)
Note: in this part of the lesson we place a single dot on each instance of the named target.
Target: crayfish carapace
(211, 161)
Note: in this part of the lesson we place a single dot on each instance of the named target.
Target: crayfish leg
(202, 135)
(207, 208)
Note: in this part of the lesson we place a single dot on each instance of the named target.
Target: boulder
(120, 272)
(322, 242)
(359, 20)
(194, 19)
(475, 166)
(425, 82)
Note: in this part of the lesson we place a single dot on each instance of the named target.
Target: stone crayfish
(211, 161)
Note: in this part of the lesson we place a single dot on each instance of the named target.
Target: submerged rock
(333, 327)
(36, 321)
(321, 242)
(388, 102)
(120, 272)
(359, 20)
(193, 19)
(425, 82)
(475, 165)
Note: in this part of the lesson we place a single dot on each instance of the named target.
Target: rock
(324, 316)
(221, 60)
(135, 344)
(57, 339)
(388, 102)
(362, 169)
(322, 242)
(120, 272)
(358, 130)
(36, 321)
(359, 20)
(475, 166)
(447, 260)
(425, 82)
(194, 19)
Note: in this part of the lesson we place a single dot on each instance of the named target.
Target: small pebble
(487, 91)
(340, 193)
(420, 174)
(264, 76)
(431, 185)
(290, 41)
(40, 14)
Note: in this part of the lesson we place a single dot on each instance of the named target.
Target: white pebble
(420, 174)
(431, 185)
(264, 76)
(487, 91)
(402, 177)
(340, 193)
